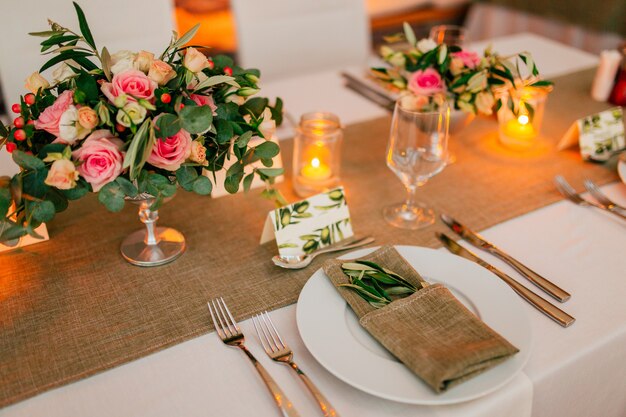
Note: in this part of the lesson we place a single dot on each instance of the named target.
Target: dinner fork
(228, 330)
(568, 192)
(594, 190)
(280, 352)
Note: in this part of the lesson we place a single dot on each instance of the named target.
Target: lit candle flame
(523, 119)
(315, 162)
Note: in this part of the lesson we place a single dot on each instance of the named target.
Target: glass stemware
(417, 151)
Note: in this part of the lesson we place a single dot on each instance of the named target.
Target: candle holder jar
(518, 128)
(317, 153)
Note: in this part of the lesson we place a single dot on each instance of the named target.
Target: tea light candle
(520, 128)
(316, 170)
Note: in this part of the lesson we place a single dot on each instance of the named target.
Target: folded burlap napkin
(430, 331)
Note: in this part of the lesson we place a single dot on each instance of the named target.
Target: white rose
(194, 60)
(122, 60)
(143, 60)
(35, 82)
(62, 175)
(62, 72)
(70, 130)
(426, 44)
(131, 113)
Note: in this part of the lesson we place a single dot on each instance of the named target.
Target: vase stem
(149, 218)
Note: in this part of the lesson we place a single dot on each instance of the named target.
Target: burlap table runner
(430, 331)
(71, 307)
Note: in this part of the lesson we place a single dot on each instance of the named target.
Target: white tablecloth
(574, 372)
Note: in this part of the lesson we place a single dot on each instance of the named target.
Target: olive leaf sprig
(375, 284)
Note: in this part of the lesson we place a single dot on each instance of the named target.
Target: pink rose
(170, 153)
(50, 118)
(101, 158)
(426, 82)
(469, 59)
(202, 100)
(131, 83)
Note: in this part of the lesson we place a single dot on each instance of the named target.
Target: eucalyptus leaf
(196, 119)
(202, 185)
(42, 211)
(112, 196)
(266, 150)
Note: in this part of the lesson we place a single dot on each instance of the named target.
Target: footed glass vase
(152, 246)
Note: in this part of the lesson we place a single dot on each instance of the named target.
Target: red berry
(29, 99)
(120, 128)
(182, 106)
(16, 108)
(11, 147)
(228, 71)
(30, 122)
(18, 122)
(166, 98)
(19, 134)
(210, 63)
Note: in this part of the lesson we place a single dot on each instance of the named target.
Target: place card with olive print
(307, 225)
(599, 135)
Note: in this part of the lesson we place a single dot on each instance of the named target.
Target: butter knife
(477, 240)
(536, 301)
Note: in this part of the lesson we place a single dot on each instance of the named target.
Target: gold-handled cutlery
(478, 241)
(568, 192)
(228, 330)
(594, 190)
(278, 351)
(536, 301)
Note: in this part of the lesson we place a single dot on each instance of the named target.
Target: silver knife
(536, 301)
(477, 240)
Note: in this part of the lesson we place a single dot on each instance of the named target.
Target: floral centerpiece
(424, 72)
(129, 123)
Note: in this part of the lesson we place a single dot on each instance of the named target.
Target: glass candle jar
(316, 153)
(518, 128)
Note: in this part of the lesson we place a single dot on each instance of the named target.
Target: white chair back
(116, 24)
(283, 38)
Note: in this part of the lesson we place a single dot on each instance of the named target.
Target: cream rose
(161, 72)
(426, 44)
(484, 102)
(35, 82)
(70, 130)
(131, 113)
(456, 66)
(62, 175)
(87, 118)
(122, 60)
(198, 153)
(62, 72)
(194, 60)
(143, 60)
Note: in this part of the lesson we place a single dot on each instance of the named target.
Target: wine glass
(451, 35)
(417, 151)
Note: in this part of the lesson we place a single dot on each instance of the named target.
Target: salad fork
(228, 330)
(278, 351)
(594, 190)
(568, 192)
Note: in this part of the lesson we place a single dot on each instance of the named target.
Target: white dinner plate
(331, 331)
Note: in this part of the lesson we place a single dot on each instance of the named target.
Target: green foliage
(196, 119)
(112, 197)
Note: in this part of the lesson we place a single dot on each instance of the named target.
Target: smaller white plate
(331, 331)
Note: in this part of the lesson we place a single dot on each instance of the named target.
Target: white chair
(116, 24)
(284, 38)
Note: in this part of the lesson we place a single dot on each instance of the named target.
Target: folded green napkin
(430, 331)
